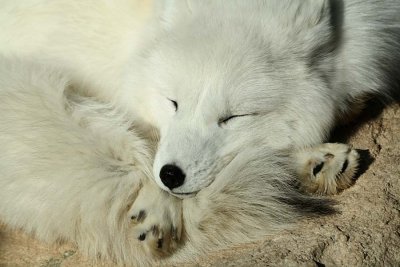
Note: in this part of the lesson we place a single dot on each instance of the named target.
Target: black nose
(172, 176)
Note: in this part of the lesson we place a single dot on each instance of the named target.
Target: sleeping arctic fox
(242, 95)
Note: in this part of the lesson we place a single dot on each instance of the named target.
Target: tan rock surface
(365, 233)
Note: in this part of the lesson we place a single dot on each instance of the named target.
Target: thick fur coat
(97, 96)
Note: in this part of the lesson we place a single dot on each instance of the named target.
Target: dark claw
(142, 237)
(160, 243)
(141, 216)
(344, 167)
(318, 168)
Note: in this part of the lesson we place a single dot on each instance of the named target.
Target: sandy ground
(365, 233)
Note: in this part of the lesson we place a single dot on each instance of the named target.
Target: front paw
(156, 219)
(330, 168)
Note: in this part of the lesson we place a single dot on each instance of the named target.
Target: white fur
(72, 169)
(271, 61)
(76, 129)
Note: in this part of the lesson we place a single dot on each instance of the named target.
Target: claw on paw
(328, 169)
(156, 221)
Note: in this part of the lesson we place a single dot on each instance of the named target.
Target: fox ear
(314, 11)
(304, 13)
(171, 11)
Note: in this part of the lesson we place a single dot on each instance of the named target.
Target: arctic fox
(240, 94)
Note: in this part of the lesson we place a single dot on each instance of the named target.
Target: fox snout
(186, 158)
(172, 176)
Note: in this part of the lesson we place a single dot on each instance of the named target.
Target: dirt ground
(365, 233)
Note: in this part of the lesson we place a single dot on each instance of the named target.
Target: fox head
(221, 78)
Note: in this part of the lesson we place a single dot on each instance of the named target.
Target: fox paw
(156, 219)
(330, 168)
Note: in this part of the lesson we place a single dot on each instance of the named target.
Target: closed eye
(174, 103)
(225, 120)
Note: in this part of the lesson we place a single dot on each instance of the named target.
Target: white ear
(297, 13)
(308, 13)
(172, 11)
